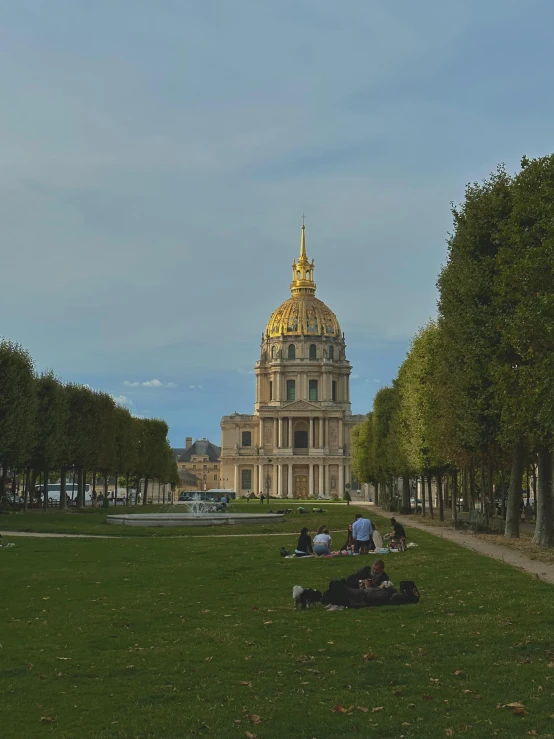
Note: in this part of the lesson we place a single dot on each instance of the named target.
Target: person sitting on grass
(397, 537)
(304, 545)
(348, 545)
(362, 531)
(322, 542)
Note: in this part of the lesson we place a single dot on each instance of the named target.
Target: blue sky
(157, 157)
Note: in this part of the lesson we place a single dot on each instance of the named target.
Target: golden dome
(303, 314)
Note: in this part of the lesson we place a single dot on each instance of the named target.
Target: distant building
(198, 465)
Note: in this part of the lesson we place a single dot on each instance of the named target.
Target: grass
(93, 520)
(159, 638)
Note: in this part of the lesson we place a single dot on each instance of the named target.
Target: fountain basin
(188, 519)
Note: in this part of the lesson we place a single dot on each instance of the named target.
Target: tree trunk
(471, 486)
(544, 533)
(455, 498)
(80, 489)
(127, 489)
(26, 492)
(406, 508)
(465, 490)
(3, 480)
(145, 490)
(45, 476)
(441, 501)
(63, 494)
(430, 495)
(105, 484)
(490, 473)
(534, 484)
(422, 496)
(513, 512)
(115, 490)
(94, 485)
(447, 502)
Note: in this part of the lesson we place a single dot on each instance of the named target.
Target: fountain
(200, 513)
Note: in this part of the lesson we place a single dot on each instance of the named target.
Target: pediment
(301, 405)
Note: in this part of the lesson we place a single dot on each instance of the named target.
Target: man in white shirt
(362, 532)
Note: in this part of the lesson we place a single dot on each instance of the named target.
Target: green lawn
(187, 637)
(93, 520)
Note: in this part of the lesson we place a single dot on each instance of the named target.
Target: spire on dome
(303, 241)
(303, 270)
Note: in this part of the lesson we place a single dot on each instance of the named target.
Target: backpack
(284, 552)
(409, 589)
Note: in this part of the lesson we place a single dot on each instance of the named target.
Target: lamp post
(267, 482)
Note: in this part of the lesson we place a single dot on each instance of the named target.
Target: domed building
(297, 442)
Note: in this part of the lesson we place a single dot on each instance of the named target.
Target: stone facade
(296, 444)
(198, 465)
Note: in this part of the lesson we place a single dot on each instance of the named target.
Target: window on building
(270, 390)
(313, 351)
(291, 352)
(334, 390)
(246, 479)
(205, 459)
(204, 466)
(246, 438)
(300, 439)
(313, 390)
(308, 274)
(331, 352)
(215, 477)
(291, 390)
(193, 466)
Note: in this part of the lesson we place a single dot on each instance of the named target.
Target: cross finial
(303, 217)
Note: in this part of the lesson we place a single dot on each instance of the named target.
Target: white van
(71, 490)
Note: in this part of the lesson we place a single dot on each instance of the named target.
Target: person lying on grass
(304, 545)
(322, 542)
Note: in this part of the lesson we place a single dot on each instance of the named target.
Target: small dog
(303, 598)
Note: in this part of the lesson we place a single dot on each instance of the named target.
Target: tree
(51, 417)
(17, 408)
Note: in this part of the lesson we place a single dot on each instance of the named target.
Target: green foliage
(17, 405)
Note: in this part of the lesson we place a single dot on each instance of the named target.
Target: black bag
(284, 552)
(409, 589)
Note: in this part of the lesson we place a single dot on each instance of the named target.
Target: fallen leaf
(397, 692)
(46, 719)
(208, 659)
(426, 697)
(405, 723)
(249, 735)
(466, 691)
(246, 682)
(339, 709)
(330, 642)
(457, 672)
(266, 623)
(377, 708)
(449, 732)
(368, 657)
(254, 718)
(363, 709)
(532, 732)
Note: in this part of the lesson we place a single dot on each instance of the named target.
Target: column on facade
(260, 477)
(341, 480)
(311, 437)
(261, 439)
(279, 478)
(237, 491)
(290, 441)
(255, 479)
(327, 432)
(327, 486)
(311, 480)
(279, 432)
(341, 440)
(289, 489)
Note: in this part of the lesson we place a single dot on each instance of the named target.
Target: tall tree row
(474, 398)
(49, 430)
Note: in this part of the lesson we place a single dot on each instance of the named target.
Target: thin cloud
(193, 387)
(149, 383)
(124, 401)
